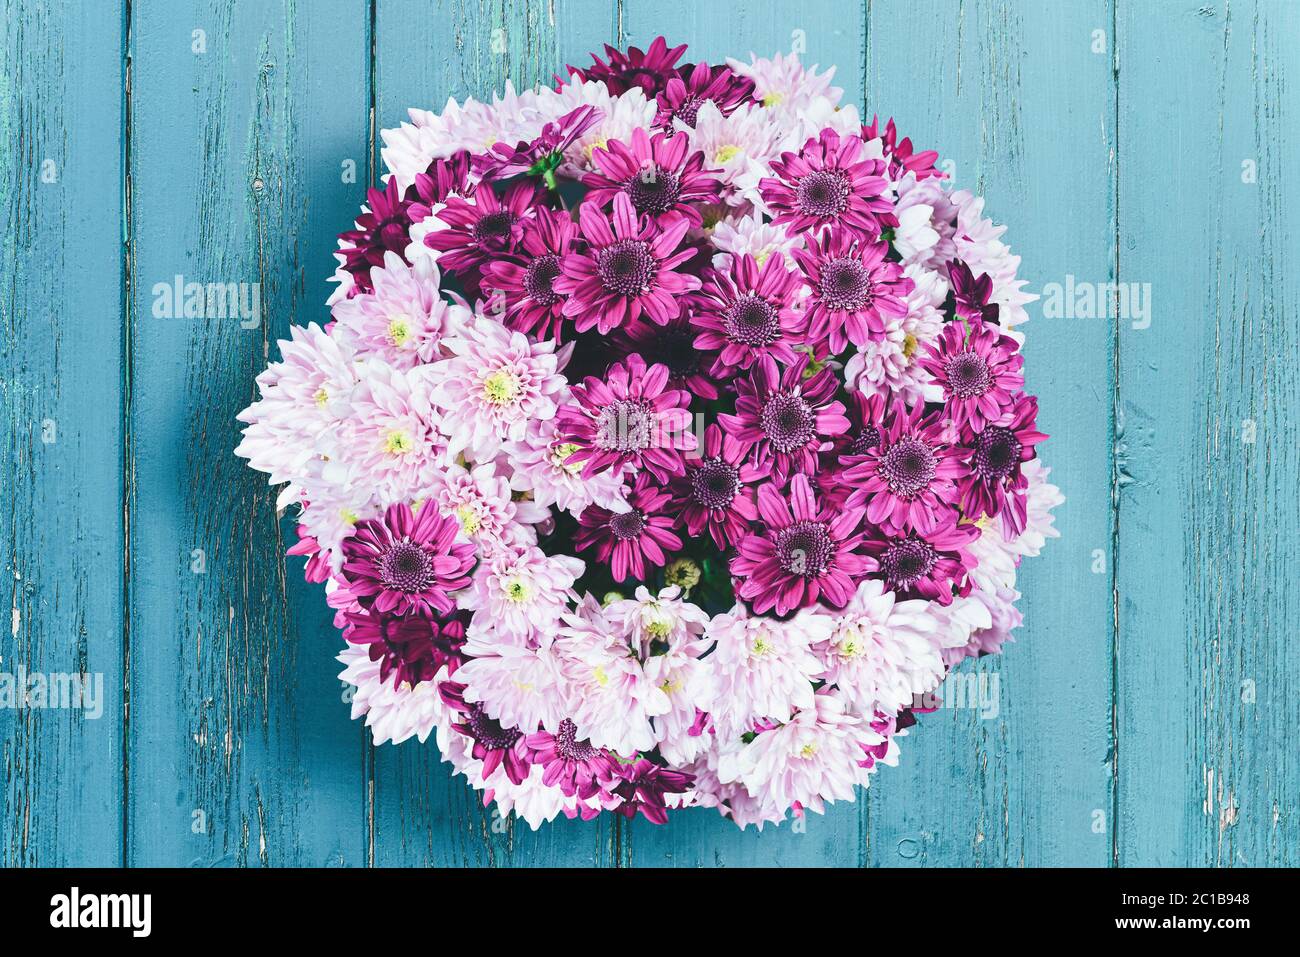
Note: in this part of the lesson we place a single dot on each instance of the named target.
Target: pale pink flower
(523, 591)
(392, 712)
(480, 500)
(402, 320)
(539, 464)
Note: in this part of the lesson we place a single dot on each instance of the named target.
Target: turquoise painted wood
(1145, 714)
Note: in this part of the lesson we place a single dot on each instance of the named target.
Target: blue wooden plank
(1014, 98)
(61, 538)
(1209, 173)
(242, 120)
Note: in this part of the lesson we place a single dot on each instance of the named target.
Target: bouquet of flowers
(668, 441)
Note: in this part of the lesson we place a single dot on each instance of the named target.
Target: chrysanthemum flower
(625, 541)
(402, 319)
(629, 418)
(746, 312)
(516, 680)
(629, 270)
(761, 668)
(685, 93)
(714, 494)
(503, 161)
(393, 712)
(853, 289)
(617, 117)
(906, 479)
(522, 589)
(409, 648)
(407, 564)
(882, 651)
(575, 767)
(972, 293)
(661, 175)
(785, 419)
(530, 303)
(781, 81)
(493, 383)
(540, 466)
(382, 227)
(995, 483)
(648, 71)
(807, 552)
(829, 183)
(924, 563)
(979, 370)
(738, 148)
(902, 160)
(496, 746)
(890, 364)
(482, 226)
(479, 500)
(643, 785)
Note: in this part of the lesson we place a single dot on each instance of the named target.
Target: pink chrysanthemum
(496, 746)
(972, 293)
(979, 370)
(853, 289)
(409, 648)
(746, 312)
(684, 94)
(995, 483)
(540, 155)
(648, 70)
(403, 317)
(806, 552)
(660, 174)
(575, 767)
(643, 786)
(924, 563)
(785, 419)
(482, 226)
(906, 479)
(522, 590)
(527, 286)
(382, 227)
(407, 564)
(629, 418)
(829, 183)
(713, 493)
(629, 270)
(898, 153)
(540, 466)
(625, 541)
(675, 346)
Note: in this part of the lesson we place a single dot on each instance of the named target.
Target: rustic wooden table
(1147, 714)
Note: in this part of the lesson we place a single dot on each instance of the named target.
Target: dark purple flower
(979, 369)
(854, 287)
(629, 418)
(495, 746)
(650, 70)
(714, 494)
(971, 294)
(526, 284)
(642, 785)
(628, 270)
(410, 648)
(407, 564)
(659, 174)
(924, 563)
(784, 419)
(829, 183)
(625, 541)
(382, 227)
(746, 312)
(685, 93)
(576, 767)
(994, 483)
(806, 552)
(906, 479)
(866, 424)
(445, 177)
(481, 227)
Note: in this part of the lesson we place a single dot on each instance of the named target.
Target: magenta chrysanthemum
(994, 483)
(407, 564)
(715, 492)
(526, 281)
(382, 228)
(829, 183)
(625, 541)
(746, 312)
(481, 227)
(854, 289)
(648, 71)
(684, 94)
(979, 369)
(659, 174)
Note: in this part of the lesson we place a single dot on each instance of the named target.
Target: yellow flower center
(321, 397)
(399, 329)
(670, 686)
(398, 442)
(725, 153)
(909, 345)
(602, 679)
(501, 387)
(470, 521)
(773, 98)
(594, 145)
(518, 590)
(808, 750)
(560, 457)
(348, 515)
(761, 646)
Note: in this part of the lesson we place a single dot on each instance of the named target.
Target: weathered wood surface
(1145, 715)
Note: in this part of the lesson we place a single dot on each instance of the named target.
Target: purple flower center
(997, 450)
(493, 228)
(541, 272)
(824, 192)
(752, 321)
(405, 567)
(569, 748)
(845, 285)
(865, 441)
(626, 267)
(907, 467)
(626, 425)
(488, 732)
(654, 191)
(805, 548)
(788, 422)
(627, 525)
(968, 375)
(715, 483)
(906, 561)
(689, 110)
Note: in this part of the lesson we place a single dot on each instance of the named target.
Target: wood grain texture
(1144, 716)
(61, 534)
